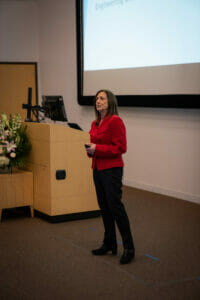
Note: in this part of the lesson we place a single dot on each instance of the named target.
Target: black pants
(108, 184)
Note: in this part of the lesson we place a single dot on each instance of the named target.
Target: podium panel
(60, 149)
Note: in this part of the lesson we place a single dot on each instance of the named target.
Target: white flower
(6, 133)
(4, 161)
(12, 154)
(12, 137)
(10, 146)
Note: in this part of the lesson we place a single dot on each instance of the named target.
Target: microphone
(29, 105)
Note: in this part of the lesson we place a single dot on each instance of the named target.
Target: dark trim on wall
(162, 101)
(79, 53)
(68, 217)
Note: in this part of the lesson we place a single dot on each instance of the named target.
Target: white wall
(57, 36)
(164, 151)
(163, 144)
(18, 31)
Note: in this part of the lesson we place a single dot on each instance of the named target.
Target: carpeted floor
(44, 261)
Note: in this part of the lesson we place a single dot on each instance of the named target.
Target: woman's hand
(91, 149)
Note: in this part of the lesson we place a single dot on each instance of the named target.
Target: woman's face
(102, 102)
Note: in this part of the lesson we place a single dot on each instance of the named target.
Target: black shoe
(104, 249)
(127, 256)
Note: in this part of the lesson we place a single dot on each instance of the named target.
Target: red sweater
(110, 140)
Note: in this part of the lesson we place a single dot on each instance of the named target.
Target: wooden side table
(16, 189)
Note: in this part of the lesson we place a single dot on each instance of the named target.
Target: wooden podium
(58, 150)
(16, 190)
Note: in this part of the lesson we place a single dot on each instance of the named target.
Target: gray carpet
(40, 260)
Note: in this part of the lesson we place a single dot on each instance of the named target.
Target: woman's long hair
(112, 104)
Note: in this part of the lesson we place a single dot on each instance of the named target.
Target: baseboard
(68, 217)
(163, 191)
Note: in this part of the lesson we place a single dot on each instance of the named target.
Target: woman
(108, 143)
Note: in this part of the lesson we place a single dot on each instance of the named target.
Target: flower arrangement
(14, 143)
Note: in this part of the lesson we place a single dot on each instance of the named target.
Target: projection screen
(146, 52)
